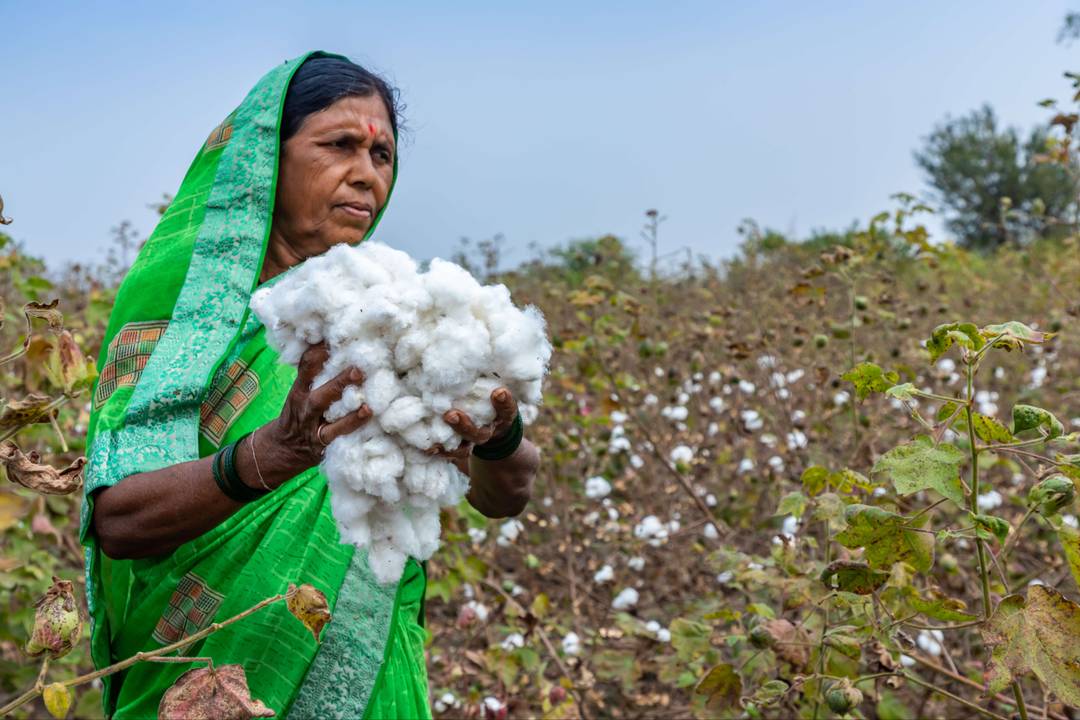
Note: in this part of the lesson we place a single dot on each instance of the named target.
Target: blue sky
(542, 121)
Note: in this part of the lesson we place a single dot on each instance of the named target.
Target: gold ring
(318, 435)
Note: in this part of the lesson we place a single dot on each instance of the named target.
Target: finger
(463, 425)
(505, 408)
(311, 363)
(331, 390)
(350, 423)
(439, 450)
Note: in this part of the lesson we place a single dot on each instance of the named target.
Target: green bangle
(215, 466)
(505, 446)
(230, 481)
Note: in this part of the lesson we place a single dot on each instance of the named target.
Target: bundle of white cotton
(426, 342)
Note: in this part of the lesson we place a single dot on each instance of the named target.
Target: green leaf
(1051, 495)
(769, 693)
(869, 378)
(794, 503)
(689, 638)
(1039, 634)
(1029, 417)
(852, 576)
(940, 607)
(721, 687)
(845, 644)
(891, 707)
(1069, 537)
(816, 479)
(887, 538)
(945, 336)
(990, 430)
(1014, 335)
(921, 465)
(988, 526)
(829, 508)
(618, 665)
(905, 391)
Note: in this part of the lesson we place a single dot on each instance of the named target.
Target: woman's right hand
(292, 439)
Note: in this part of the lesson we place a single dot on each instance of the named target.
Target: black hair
(321, 81)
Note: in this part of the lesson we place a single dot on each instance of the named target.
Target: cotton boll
(477, 404)
(603, 575)
(455, 352)
(597, 487)
(625, 600)
(350, 401)
(386, 562)
(437, 402)
(450, 285)
(528, 413)
(404, 411)
(395, 262)
(380, 389)
(409, 348)
(427, 342)
(522, 350)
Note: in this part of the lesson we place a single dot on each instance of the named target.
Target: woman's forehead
(359, 112)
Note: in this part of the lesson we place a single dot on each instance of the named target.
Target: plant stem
(1019, 695)
(976, 686)
(547, 644)
(822, 650)
(984, 573)
(973, 501)
(957, 698)
(47, 410)
(154, 656)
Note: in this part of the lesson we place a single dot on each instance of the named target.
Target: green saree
(185, 369)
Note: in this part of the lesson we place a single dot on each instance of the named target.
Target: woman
(186, 371)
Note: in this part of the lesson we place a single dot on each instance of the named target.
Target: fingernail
(502, 395)
(452, 417)
(354, 374)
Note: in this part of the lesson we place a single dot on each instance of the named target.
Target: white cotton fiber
(427, 342)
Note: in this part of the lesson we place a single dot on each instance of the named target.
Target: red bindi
(371, 129)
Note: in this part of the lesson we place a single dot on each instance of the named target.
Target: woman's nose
(362, 170)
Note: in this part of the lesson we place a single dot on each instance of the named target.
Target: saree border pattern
(127, 355)
(191, 608)
(230, 394)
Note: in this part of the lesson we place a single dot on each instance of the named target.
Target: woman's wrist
(503, 446)
(263, 455)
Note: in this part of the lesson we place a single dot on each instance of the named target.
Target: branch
(153, 656)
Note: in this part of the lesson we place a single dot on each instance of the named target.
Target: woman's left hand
(497, 488)
(471, 434)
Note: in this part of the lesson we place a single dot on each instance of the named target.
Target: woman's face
(334, 175)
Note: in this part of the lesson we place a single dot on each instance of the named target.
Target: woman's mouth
(356, 210)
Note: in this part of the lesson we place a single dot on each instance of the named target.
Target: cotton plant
(427, 342)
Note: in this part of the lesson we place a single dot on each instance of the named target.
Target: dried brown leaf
(309, 606)
(46, 312)
(45, 479)
(29, 410)
(209, 693)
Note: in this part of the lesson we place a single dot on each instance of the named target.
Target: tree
(992, 184)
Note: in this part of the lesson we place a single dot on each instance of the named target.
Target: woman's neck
(280, 256)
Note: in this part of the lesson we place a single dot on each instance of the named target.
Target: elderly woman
(307, 161)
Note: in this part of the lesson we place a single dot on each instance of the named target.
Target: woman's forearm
(153, 513)
(502, 488)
